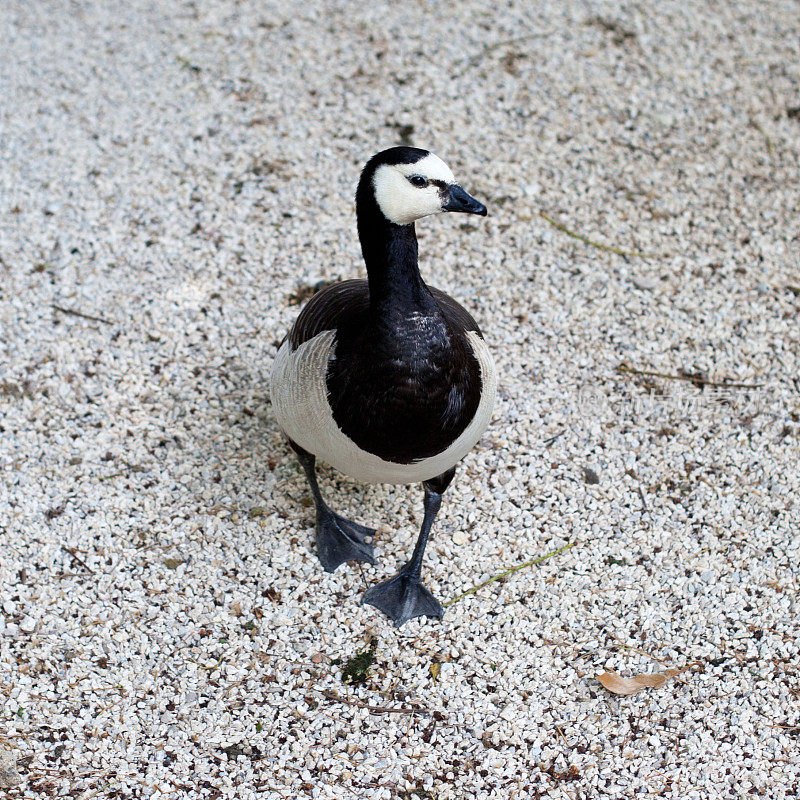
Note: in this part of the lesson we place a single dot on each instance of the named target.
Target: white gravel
(178, 170)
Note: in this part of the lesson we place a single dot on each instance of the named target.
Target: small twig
(548, 442)
(636, 649)
(599, 245)
(336, 697)
(267, 784)
(510, 572)
(376, 785)
(688, 378)
(644, 502)
(75, 313)
(231, 686)
(476, 59)
(632, 146)
(97, 791)
(76, 557)
(767, 140)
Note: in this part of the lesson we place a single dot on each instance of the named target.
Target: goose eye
(418, 181)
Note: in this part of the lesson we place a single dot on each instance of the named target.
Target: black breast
(403, 386)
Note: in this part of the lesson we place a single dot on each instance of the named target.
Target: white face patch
(400, 201)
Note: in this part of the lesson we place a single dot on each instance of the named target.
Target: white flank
(399, 200)
(300, 401)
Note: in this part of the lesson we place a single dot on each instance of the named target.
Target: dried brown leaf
(618, 685)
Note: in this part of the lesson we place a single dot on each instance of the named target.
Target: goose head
(408, 183)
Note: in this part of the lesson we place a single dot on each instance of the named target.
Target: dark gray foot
(340, 540)
(402, 598)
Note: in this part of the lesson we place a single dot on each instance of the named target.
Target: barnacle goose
(387, 379)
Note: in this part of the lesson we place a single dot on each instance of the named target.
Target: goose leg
(403, 597)
(338, 539)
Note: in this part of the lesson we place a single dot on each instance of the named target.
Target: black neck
(390, 253)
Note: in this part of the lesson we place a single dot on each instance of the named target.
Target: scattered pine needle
(767, 141)
(510, 572)
(599, 245)
(354, 701)
(73, 312)
(688, 378)
(476, 59)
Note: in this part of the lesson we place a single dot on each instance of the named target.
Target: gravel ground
(173, 176)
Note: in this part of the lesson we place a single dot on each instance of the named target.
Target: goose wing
(328, 307)
(455, 314)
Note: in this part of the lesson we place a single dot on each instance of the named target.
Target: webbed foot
(340, 540)
(402, 598)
